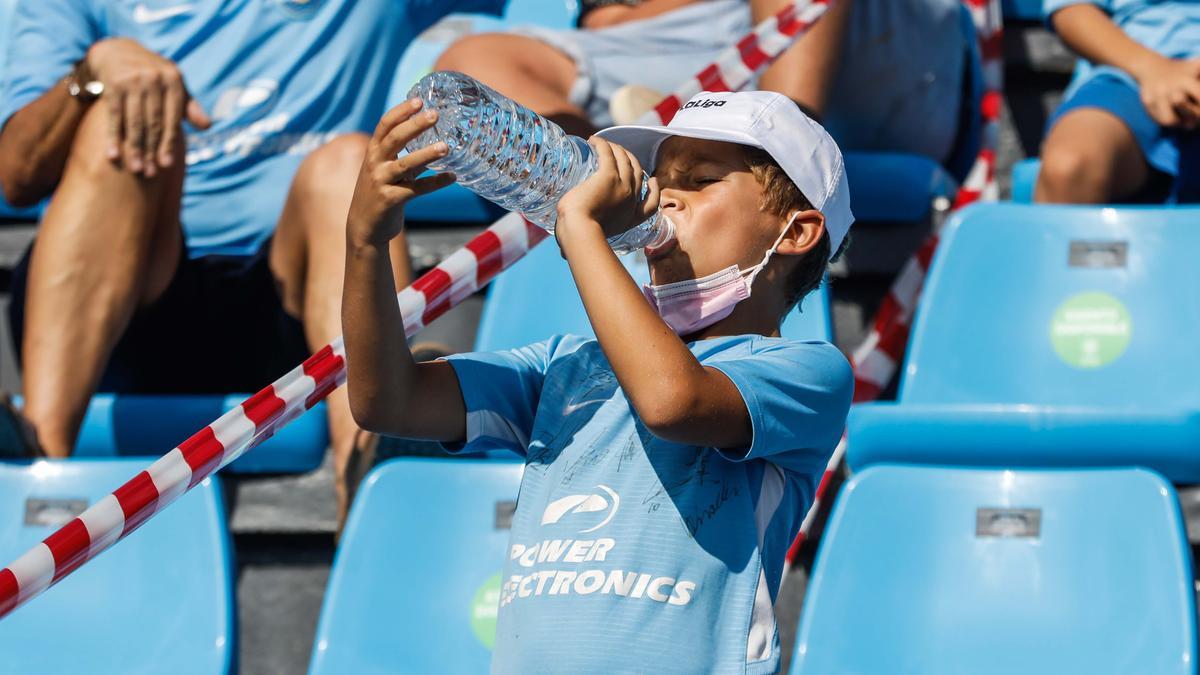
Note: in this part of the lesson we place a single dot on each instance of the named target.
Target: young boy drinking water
(669, 461)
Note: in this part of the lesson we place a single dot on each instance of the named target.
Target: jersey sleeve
(501, 392)
(798, 395)
(47, 37)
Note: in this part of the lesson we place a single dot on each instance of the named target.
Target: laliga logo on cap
(574, 504)
(703, 103)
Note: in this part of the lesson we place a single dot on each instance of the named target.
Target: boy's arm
(675, 396)
(1170, 88)
(389, 392)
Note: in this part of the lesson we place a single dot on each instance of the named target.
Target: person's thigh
(517, 66)
(1093, 149)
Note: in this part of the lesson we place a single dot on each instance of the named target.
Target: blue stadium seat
(1046, 392)
(1022, 10)
(415, 586)
(934, 571)
(161, 600)
(1024, 177)
(1064, 332)
(129, 425)
(8, 211)
(537, 298)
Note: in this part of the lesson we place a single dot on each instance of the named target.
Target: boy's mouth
(659, 252)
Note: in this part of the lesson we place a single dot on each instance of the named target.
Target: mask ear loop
(753, 271)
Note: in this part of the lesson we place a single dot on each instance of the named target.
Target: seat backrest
(926, 571)
(140, 425)
(161, 596)
(537, 298)
(415, 586)
(1060, 305)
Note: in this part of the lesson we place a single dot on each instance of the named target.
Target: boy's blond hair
(780, 197)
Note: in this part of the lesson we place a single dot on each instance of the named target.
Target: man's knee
(89, 154)
(1074, 168)
(333, 167)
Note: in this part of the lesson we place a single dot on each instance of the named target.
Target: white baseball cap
(761, 119)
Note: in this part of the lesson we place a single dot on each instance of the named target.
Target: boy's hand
(612, 196)
(1170, 90)
(386, 182)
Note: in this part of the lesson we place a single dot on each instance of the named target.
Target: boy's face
(715, 202)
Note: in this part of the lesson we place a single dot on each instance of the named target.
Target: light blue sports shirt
(632, 554)
(279, 78)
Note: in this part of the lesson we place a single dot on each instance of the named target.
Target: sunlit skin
(715, 203)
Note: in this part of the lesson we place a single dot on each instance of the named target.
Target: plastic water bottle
(512, 156)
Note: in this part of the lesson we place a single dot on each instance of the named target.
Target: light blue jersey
(629, 553)
(1169, 27)
(279, 78)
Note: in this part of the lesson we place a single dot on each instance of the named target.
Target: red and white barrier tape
(258, 417)
(878, 358)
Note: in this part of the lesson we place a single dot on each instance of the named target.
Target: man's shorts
(1174, 155)
(896, 90)
(218, 328)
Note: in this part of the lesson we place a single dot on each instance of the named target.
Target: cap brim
(643, 141)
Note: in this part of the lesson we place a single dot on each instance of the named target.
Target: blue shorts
(1174, 154)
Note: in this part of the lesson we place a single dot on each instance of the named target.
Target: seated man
(869, 69)
(159, 266)
(1125, 130)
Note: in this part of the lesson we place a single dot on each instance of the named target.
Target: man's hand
(146, 101)
(386, 183)
(611, 196)
(1170, 90)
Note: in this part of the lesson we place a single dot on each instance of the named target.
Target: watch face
(95, 87)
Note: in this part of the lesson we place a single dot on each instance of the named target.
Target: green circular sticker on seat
(484, 608)
(1090, 330)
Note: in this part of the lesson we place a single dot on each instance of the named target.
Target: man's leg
(1090, 157)
(524, 69)
(308, 256)
(108, 244)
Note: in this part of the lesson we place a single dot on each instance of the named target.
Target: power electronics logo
(593, 507)
(580, 566)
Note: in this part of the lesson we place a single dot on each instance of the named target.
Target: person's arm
(676, 397)
(805, 72)
(1170, 88)
(389, 392)
(146, 99)
(34, 145)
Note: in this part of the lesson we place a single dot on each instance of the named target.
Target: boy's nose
(669, 198)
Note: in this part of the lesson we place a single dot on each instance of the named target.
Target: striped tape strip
(257, 418)
(878, 359)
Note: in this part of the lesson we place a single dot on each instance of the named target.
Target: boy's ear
(803, 234)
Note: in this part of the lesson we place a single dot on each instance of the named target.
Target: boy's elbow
(371, 417)
(671, 415)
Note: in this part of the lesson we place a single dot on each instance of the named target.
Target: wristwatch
(82, 84)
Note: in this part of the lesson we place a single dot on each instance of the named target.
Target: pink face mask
(693, 304)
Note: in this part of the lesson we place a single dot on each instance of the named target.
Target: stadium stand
(415, 586)
(1035, 408)
(162, 599)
